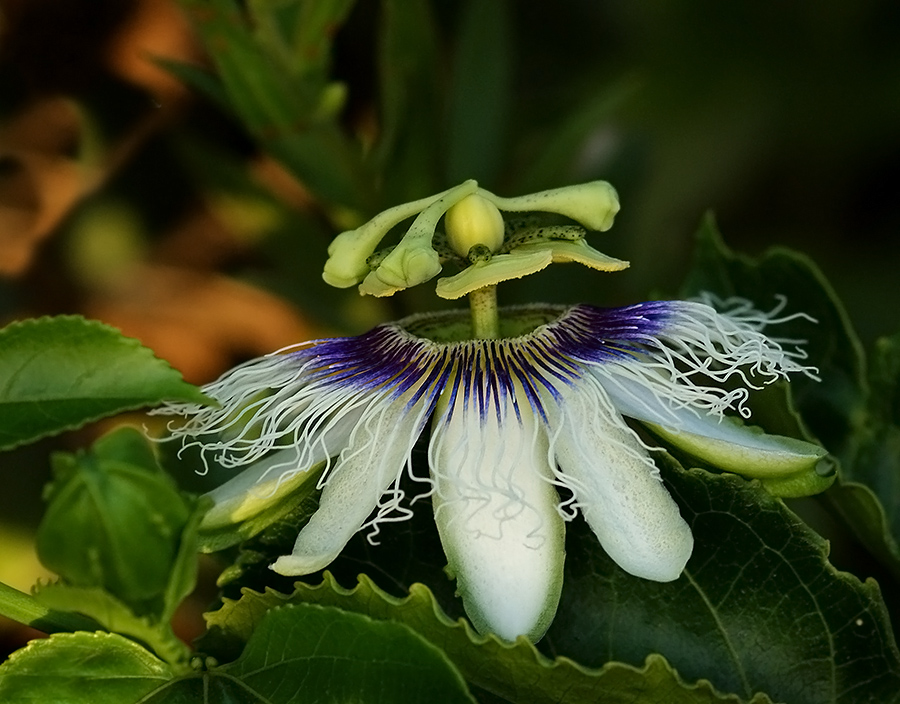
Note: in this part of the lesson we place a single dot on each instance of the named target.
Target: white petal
(719, 440)
(616, 486)
(374, 459)
(495, 508)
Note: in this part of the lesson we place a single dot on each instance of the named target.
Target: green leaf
(480, 93)
(758, 608)
(317, 654)
(59, 373)
(289, 110)
(313, 31)
(833, 407)
(869, 494)
(511, 672)
(114, 616)
(863, 512)
(115, 521)
(81, 668)
(183, 570)
(858, 425)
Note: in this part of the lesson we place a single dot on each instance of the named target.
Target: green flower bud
(114, 520)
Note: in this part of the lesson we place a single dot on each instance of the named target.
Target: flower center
(456, 325)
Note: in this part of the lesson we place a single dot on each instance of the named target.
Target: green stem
(485, 319)
(24, 608)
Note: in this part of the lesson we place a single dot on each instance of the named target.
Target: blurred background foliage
(177, 169)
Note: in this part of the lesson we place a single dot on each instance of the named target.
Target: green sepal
(244, 507)
(798, 485)
(763, 456)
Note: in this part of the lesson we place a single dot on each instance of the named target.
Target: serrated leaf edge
(419, 591)
(197, 396)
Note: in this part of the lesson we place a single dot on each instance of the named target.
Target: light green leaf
(59, 373)
(114, 616)
(81, 668)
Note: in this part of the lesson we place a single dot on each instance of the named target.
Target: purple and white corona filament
(511, 420)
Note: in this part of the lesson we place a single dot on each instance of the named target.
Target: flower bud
(114, 520)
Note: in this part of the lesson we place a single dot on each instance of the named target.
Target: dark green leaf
(758, 608)
(858, 425)
(869, 494)
(864, 513)
(262, 91)
(59, 373)
(833, 407)
(510, 672)
(480, 93)
(81, 668)
(183, 570)
(886, 380)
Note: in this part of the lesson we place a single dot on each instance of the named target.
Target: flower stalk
(24, 608)
(485, 317)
